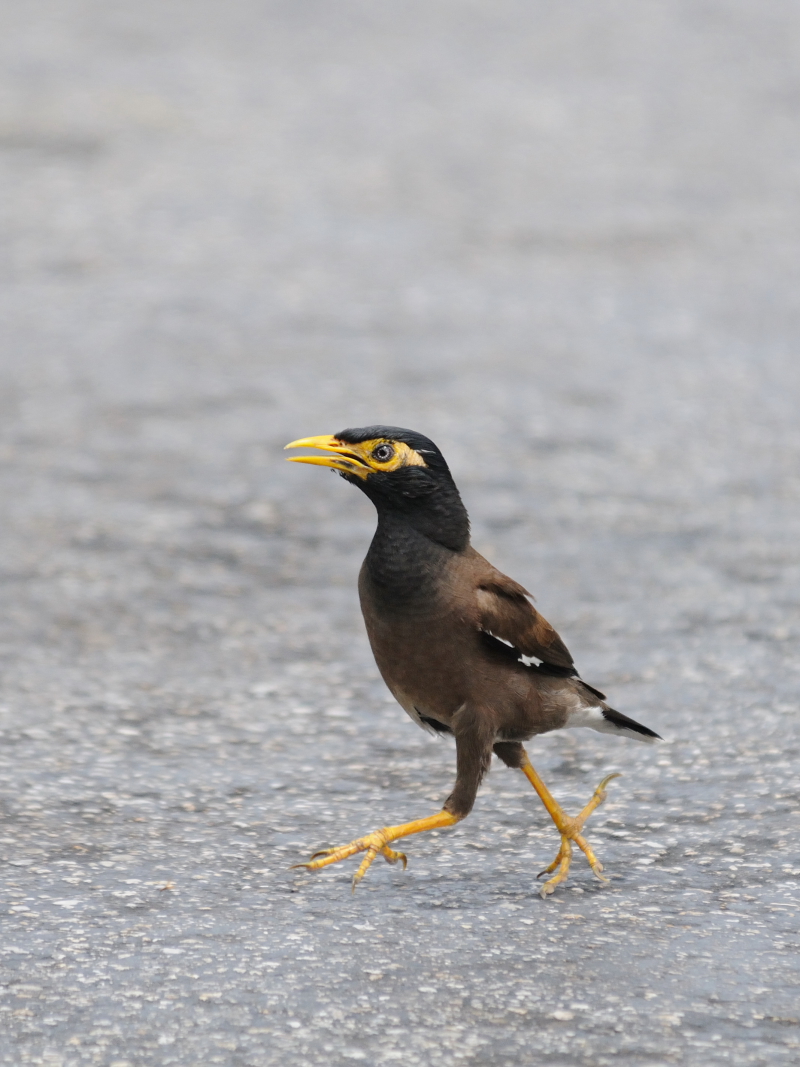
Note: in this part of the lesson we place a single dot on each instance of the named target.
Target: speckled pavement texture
(562, 240)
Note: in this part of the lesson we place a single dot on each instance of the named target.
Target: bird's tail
(614, 722)
(606, 720)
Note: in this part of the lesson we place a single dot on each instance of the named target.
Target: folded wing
(505, 611)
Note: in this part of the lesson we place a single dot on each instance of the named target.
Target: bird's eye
(383, 453)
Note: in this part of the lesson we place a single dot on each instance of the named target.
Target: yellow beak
(343, 458)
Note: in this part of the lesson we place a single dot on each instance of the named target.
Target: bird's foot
(377, 843)
(570, 830)
(373, 844)
(564, 859)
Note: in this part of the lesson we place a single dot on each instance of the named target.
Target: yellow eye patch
(385, 455)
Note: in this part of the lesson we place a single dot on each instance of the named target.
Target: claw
(600, 791)
(570, 830)
(392, 857)
(556, 861)
(562, 861)
(310, 865)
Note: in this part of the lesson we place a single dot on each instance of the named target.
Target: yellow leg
(569, 828)
(377, 843)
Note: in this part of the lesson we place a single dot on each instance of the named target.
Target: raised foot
(570, 830)
(373, 844)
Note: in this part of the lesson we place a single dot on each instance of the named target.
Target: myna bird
(453, 638)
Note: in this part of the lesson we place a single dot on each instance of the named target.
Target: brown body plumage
(446, 667)
(449, 633)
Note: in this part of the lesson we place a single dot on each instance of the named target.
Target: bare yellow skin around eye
(404, 455)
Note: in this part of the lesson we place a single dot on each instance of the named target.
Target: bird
(459, 644)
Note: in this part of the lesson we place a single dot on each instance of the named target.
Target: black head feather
(425, 497)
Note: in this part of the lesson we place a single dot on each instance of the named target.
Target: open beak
(342, 458)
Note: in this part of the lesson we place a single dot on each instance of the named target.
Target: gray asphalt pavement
(561, 240)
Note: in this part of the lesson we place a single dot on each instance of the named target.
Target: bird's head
(399, 470)
(387, 459)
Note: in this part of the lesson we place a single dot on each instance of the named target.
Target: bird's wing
(506, 612)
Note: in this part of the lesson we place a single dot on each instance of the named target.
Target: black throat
(414, 538)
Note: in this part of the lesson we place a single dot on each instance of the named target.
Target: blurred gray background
(562, 240)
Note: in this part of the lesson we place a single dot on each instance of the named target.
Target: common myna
(453, 638)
